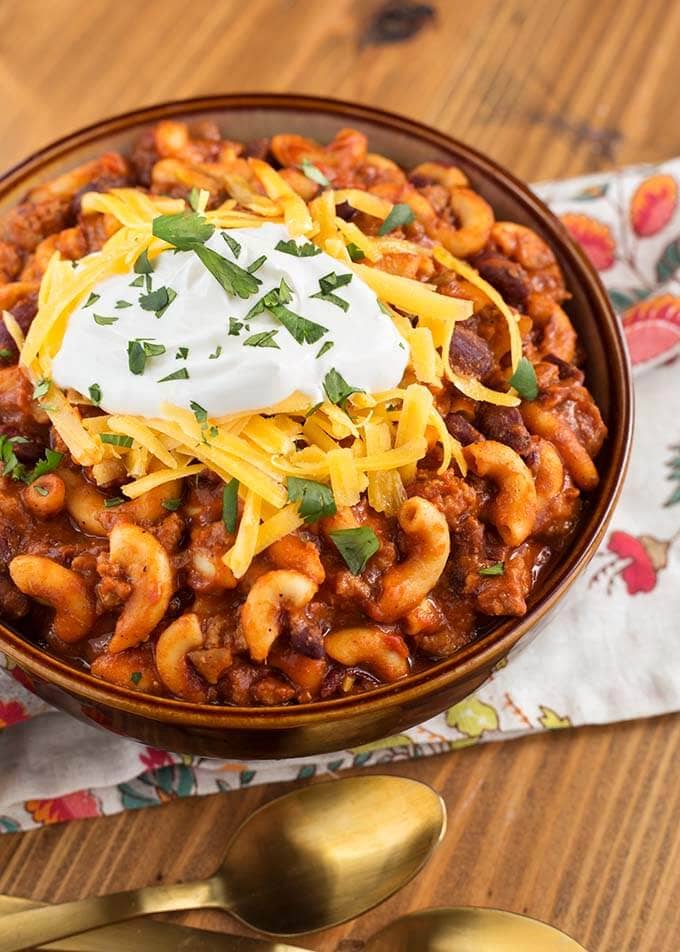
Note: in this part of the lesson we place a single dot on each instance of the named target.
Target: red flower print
(653, 204)
(74, 806)
(637, 559)
(153, 759)
(652, 327)
(594, 237)
(11, 712)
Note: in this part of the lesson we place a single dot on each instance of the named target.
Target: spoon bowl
(470, 930)
(309, 860)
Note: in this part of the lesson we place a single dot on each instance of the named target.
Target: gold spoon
(307, 861)
(433, 930)
(470, 930)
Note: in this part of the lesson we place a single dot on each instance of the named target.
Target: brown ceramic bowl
(333, 725)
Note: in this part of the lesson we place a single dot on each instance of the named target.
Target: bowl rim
(482, 654)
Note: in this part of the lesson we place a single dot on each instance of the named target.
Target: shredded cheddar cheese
(372, 443)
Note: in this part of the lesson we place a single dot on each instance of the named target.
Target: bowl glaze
(277, 732)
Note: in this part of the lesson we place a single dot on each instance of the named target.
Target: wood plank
(579, 828)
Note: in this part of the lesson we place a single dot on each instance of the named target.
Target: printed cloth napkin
(613, 652)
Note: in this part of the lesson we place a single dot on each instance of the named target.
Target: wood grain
(579, 828)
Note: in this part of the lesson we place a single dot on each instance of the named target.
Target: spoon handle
(34, 927)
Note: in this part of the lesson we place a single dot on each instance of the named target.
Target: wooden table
(580, 828)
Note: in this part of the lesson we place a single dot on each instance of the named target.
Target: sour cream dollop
(205, 332)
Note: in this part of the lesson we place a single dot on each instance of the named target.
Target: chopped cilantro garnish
(316, 500)
(138, 282)
(324, 349)
(400, 214)
(155, 300)
(257, 264)
(497, 569)
(355, 252)
(95, 392)
(121, 304)
(198, 199)
(198, 411)
(305, 250)
(92, 299)
(10, 462)
(172, 505)
(216, 354)
(234, 279)
(230, 505)
(233, 244)
(234, 327)
(314, 174)
(113, 502)
(337, 389)
(139, 351)
(136, 677)
(264, 339)
(104, 321)
(41, 491)
(303, 330)
(185, 230)
(312, 410)
(116, 439)
(182, 353)
(356, 546)
(5, 353)
(213, 432)
(48, 464)
(142, 265)
(182, 374)
(524, 380)
(328, 284)
(41, 389)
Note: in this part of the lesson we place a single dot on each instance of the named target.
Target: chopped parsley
(312, 410)
(497, 569)
(256, 265)
(230, 505)
(41, 491)
(10, 462)
(5, 353)
(139, 352)
(303, 330)
(172, 505)
(305, 250)
(355, 252)
(121, 304)
(234, 327)
(138, 282)
(264, 339)
(234, 279)
(198, 411)
(92, 299)
(313, 174)
(524, 380)
(356, 546)
(116, 439)
(400, 214)
(185, 230)
(182, 353)
(48, 464)
(337, 389)
(143, 266)
(113, 502)
(233, 244)
(182, 374)
(316, 500)
(41, 388)
(216, 354)
(158, 301)
(95, 392)
(325, 348)
(136, 677)
(329, 284)
(104, 321)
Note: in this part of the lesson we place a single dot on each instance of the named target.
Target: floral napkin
(613, 652)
